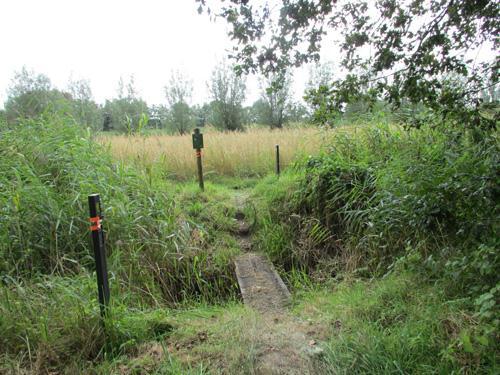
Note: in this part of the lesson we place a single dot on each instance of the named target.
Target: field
(245, 154)
(375, 233)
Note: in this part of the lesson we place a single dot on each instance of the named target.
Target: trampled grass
(242, 154)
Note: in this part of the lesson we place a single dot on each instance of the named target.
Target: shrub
(373, 197)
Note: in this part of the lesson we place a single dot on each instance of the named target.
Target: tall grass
(164, 247)
(397, 325)
(372, 199)
(47, 169)
(243, 154)
(385, 189)
(386, 201)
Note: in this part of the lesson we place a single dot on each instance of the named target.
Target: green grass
(386, 240)
(376, 201)
(169, 246)
(399, 324)
(58, 329)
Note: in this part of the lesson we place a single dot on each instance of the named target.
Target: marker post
(198, 145)
(101, 268)
(278, 168)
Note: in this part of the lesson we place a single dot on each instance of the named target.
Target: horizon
(146, 41)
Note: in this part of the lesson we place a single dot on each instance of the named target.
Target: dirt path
(285, 344)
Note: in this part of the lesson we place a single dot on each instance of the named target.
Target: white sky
(103, 40)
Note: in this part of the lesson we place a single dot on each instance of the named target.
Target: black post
(198, 145)
(99, 252)
(278, 160)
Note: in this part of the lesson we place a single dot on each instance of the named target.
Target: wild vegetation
(407, 207)
(378, 201)
(384, 223)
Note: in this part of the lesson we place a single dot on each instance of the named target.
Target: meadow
(383, 225)
(249, 153)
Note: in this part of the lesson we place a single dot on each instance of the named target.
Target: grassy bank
(415, 211)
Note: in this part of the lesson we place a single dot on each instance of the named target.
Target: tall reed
(242, 154)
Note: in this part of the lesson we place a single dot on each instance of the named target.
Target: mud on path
(285, 344)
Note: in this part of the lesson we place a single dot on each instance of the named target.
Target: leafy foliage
(125, 113)
(178, 93)
(275, 98)
(228, 93)
(371, 199)
(414, 44)
(32, 94)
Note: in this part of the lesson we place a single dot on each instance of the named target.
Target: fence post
(99, 253)
(198, 145)
(278, 160)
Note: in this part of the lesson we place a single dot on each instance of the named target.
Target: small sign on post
(200, 121)
(198, 145)
(99, 252)
(278, 169)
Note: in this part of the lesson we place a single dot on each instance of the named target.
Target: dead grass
(242, 154)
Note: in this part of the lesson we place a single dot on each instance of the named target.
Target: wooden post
(198, 145)
(278, 160)
(200, 169)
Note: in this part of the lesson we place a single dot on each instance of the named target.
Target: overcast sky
(103, 40)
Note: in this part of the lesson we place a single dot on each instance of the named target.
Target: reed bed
(242, 154)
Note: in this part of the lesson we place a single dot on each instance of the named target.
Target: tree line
(32, 94)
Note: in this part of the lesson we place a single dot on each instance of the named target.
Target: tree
(258, 112)
(3, 117)
(228, 92)
(178, 93)
(317, 94)
(276, 94)
(203, 113)
(26, 81)
(127, 112)
(32, 94)
(320, 74)
(85, 110)
(413, 43)
(296, 112)
(158, 116)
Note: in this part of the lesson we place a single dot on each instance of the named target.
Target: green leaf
(466, 342)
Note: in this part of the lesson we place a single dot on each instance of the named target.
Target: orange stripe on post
(96, 223)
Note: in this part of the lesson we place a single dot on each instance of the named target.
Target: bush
(383, 193)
